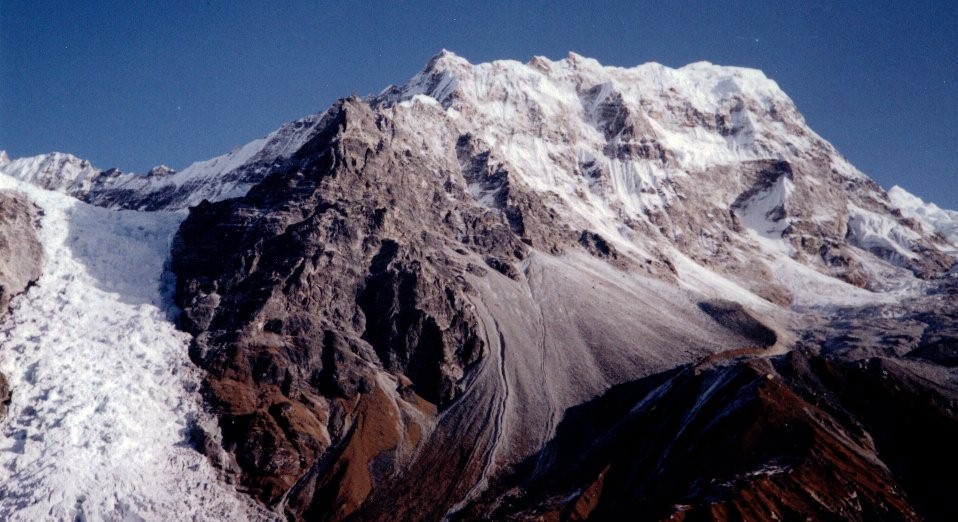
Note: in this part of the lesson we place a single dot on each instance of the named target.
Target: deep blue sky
(134, 84)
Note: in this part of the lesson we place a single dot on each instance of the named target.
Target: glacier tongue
(103, 390)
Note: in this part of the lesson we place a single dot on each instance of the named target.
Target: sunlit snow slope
(103, 389)
(931, 216)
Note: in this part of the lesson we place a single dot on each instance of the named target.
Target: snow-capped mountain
(622, 152)
(162, 188)
(496, 277)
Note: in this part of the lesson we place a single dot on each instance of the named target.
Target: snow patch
(765, 217)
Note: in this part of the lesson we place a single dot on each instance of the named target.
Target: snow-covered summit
(651, 155)
(54, 171)
(705, 113)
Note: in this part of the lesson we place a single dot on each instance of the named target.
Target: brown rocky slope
(351, 341)
(414, 317)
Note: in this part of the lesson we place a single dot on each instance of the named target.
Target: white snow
(931, 216)
(703, 281)
(54, 171)
(810, 288)
(554, 125)
(103, 389)
(759, 216)
(872, 231)
(220, 164)
(214, 179)
(544, 119)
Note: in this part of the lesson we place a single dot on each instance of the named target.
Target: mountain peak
(593, 197)
(55, 170)
(444, 60)
(575, 57)
(161, 170)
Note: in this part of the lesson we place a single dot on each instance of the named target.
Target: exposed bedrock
(21, 258)
(355, 342)
(21, 255)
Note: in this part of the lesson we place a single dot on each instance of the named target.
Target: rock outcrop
(343, 307)
(21, 259)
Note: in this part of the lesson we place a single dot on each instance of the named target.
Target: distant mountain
(162, 188)
(558, 290)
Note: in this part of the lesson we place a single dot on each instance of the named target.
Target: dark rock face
(733, 316)
(21, 259)
(302, 298)
(336, 313)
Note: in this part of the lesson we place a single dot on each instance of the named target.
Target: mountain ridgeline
(559, 291)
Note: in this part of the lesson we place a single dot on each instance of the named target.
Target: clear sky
(133, 83)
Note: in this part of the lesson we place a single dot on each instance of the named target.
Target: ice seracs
(103, 392)
(932, 217)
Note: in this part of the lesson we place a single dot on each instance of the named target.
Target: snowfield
(103, 389)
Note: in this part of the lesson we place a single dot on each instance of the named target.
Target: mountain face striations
(557, 291)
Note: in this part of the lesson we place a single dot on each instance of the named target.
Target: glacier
(104, 392)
